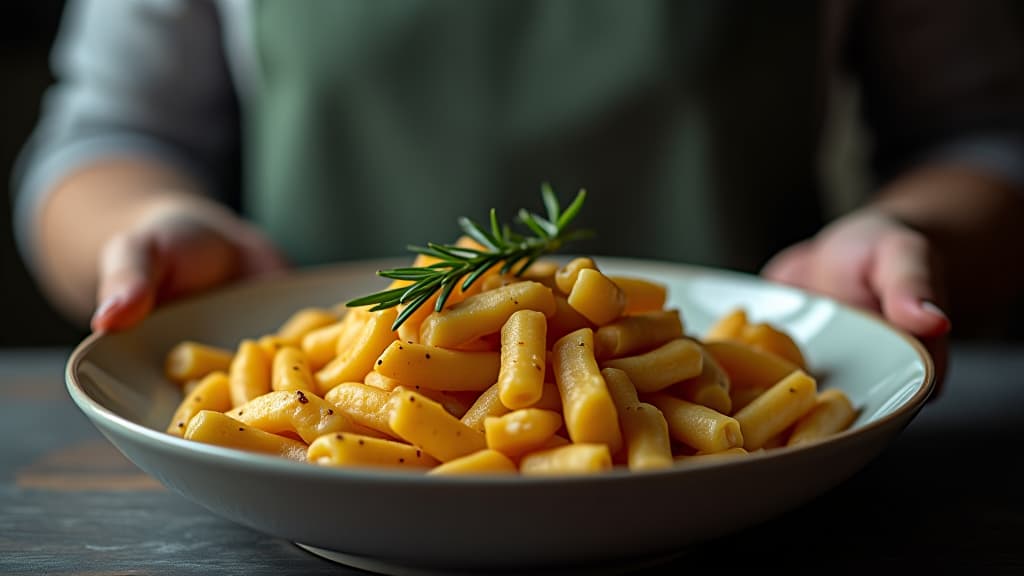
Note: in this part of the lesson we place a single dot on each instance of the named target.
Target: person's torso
(692, 125)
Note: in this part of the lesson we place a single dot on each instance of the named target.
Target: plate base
(393, 568)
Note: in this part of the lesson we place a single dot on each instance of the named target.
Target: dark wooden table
(945, 498)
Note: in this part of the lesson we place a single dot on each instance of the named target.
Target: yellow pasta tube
(438, 368)
(770, 339)
(482, 462)
(641, 295)
(589, 412)
(704, 456)
(365, 405)
(320, 345)
(728, 327)
(542, 271)
(355, 323)
(571, 459)
(345, 449)
(425, 423)
(290, 371)
(778, 408)
(249, 373)
(488, 403)
(742, 396)
(637, 333)
(565, 319)
(523, 350)
(303, 322)
(189, 386)
(521, 431)
(672, 362)
(747, 366)
(356, 361)
(644, 430)
(709, 388)
(409, 332)
(212, 393)
(698, 426)
(211, 427)
(270, 344)
(565, 277)
(300, 412)
(484, 313)
(378, 380)
(596, 297)
(192, 361)
(832, 413)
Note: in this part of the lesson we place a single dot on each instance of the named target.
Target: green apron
(693, 125)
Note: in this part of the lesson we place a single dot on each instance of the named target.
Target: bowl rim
(101, 416)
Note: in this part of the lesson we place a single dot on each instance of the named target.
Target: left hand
(872, 260)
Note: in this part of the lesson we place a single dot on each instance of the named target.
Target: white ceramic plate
(402, 523)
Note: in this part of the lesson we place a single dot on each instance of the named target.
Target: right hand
(176, 249)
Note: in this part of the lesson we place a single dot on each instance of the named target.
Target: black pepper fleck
(401, 460)
(418, 453)
(295, 367)
(379, 362)
(302, 397)
(181, 424)
(339, 437)
(412, 398)
(361, 442)
(330, 411)
(792, 391)
(427, 355)
(240, 429)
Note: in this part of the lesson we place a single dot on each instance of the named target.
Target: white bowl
(402, 523)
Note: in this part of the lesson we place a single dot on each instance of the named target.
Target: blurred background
(26, 32)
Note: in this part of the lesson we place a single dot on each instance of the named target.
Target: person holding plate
(190, 144)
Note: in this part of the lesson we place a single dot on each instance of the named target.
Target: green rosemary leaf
(384, 296)
(531, 223)
(550, 201)
(457, 266)
(570, 213)
(496, 231)
(446, 291)
(476, 274)
(413, 306)
(473, 230)
(529, 262)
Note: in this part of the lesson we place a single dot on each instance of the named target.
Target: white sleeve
(133, 78)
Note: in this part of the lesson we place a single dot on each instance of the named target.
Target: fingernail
(104, 308)
(933, 309)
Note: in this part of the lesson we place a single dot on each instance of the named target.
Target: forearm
(85, 211)
(975, 222)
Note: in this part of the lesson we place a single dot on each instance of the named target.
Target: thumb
(130, 272)
(902, 278)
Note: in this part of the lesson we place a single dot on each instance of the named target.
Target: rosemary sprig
(501, 245)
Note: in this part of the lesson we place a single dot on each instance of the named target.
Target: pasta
(564, 370)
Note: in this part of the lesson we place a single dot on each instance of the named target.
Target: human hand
(177, 248)
(873, 261)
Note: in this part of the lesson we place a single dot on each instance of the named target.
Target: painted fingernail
(103, 309)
